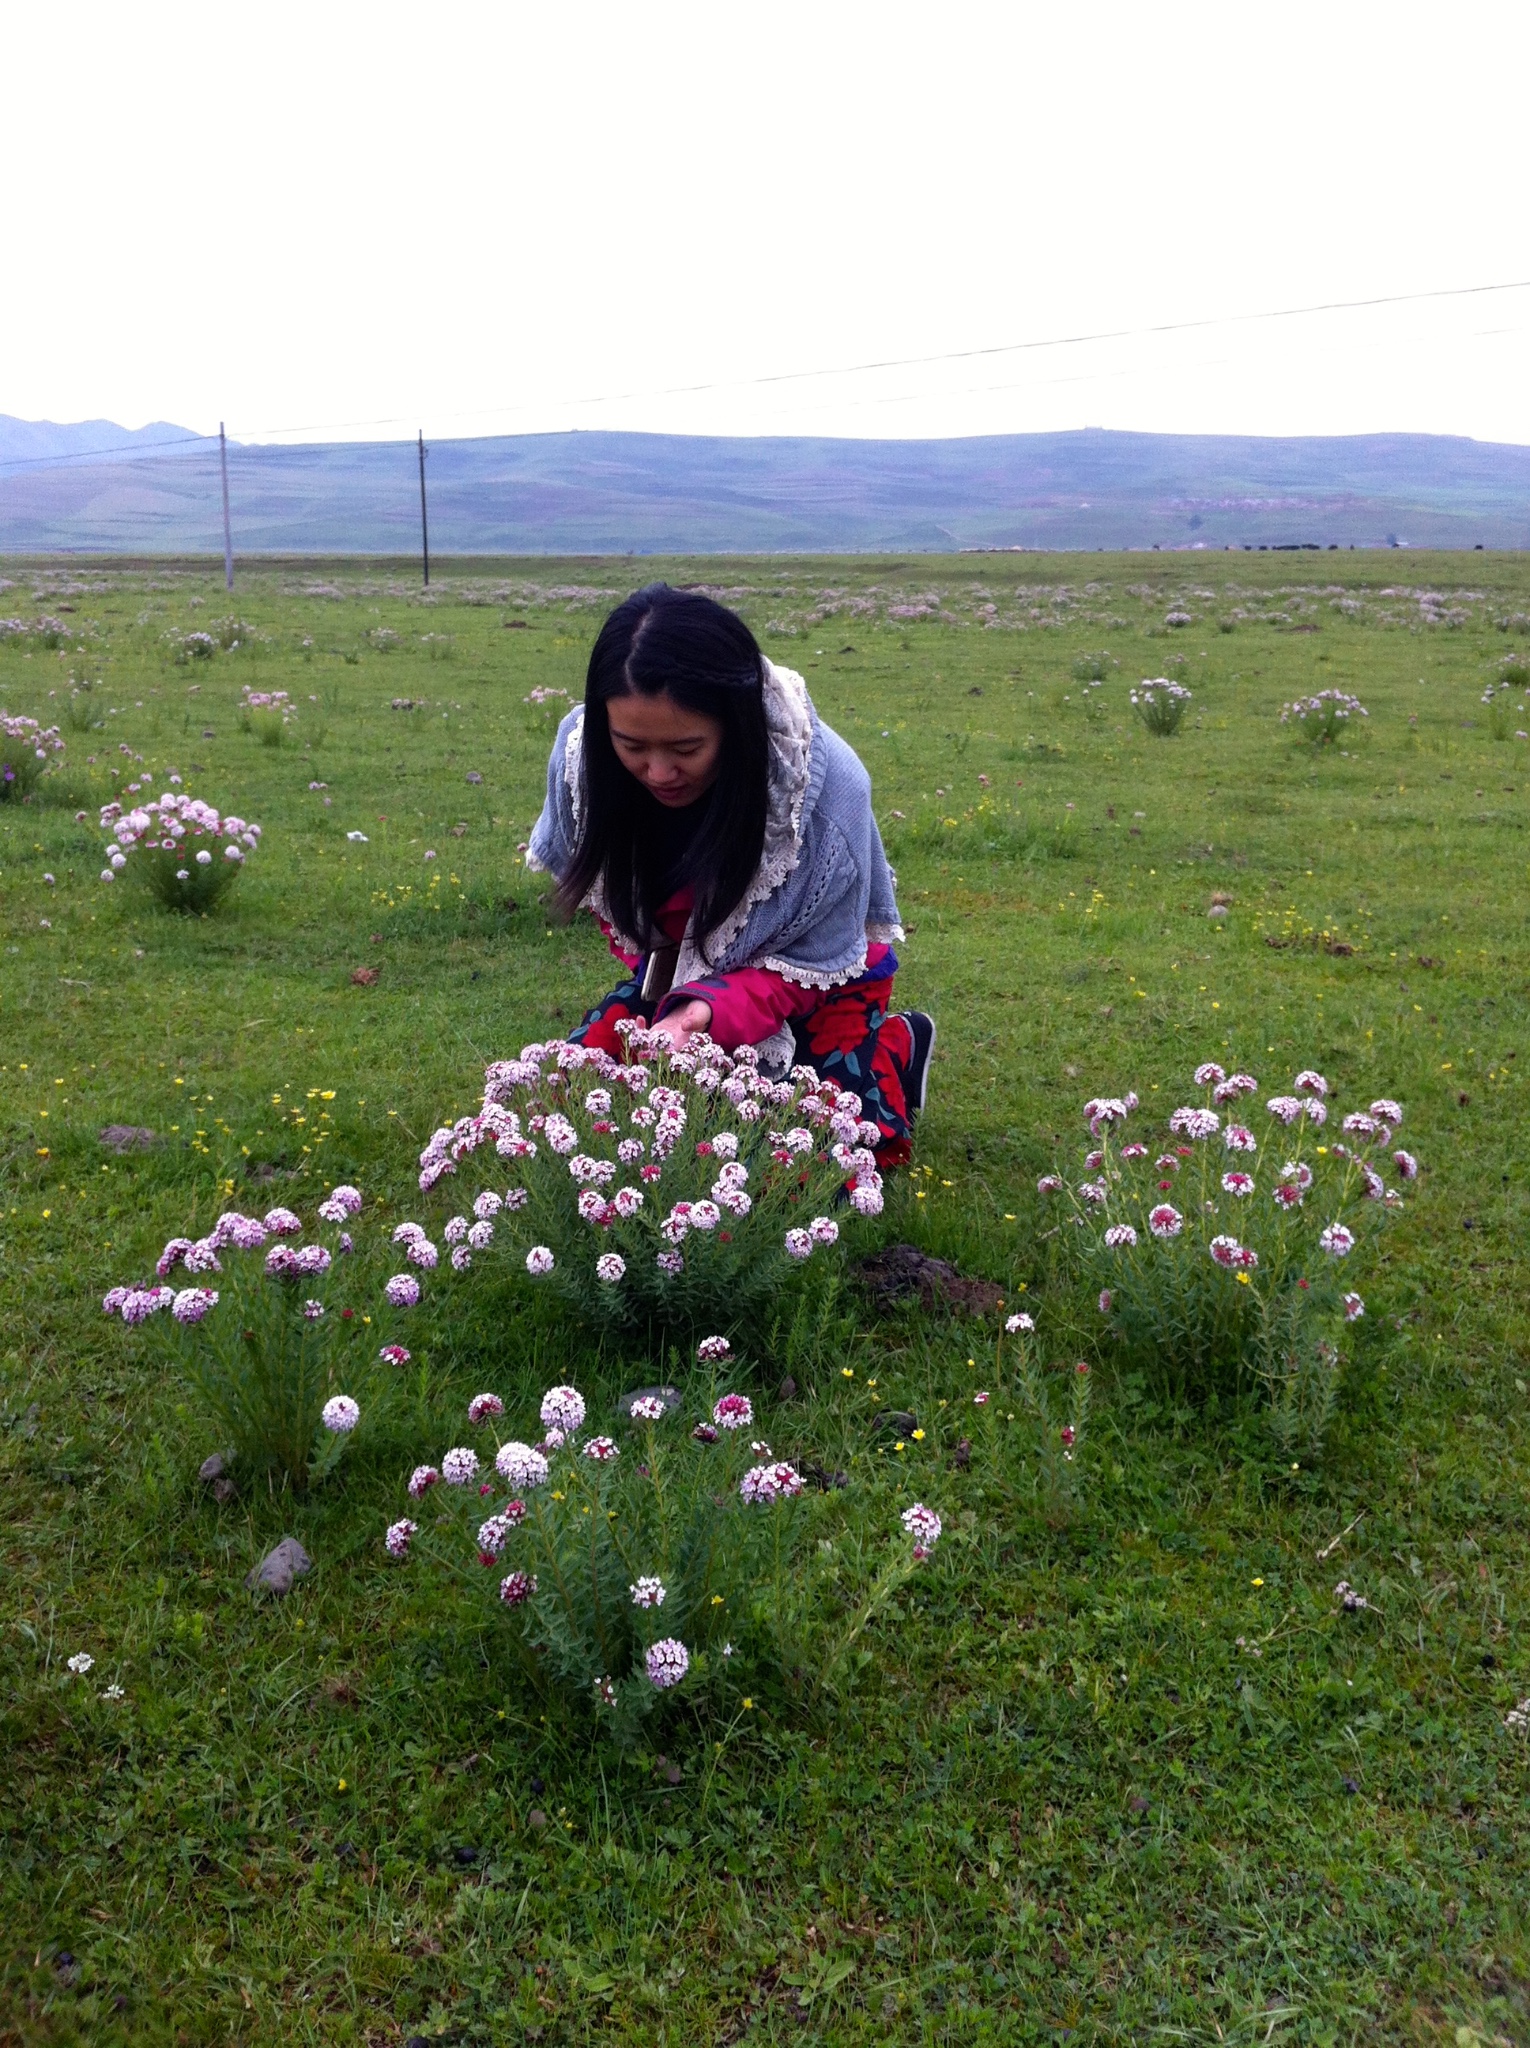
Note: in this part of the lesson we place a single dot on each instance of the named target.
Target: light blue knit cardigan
(823, 889)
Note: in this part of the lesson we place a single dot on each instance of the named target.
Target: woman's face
(673, 752)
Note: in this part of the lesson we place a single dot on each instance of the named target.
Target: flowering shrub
(266, 713)
(246, 1308)
(677, 1188)
(177, 848)
(1504, 715)
(1322, 718)
(630, 1567)
(1054, 1407)
(1161, 704)
(1093, 668)
(1161, 1223)
(80, 706)
(24, 749)
(46, 631)
(189, 647)
(626, 1567)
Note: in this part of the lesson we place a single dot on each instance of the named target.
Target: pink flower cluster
(234, 1231)
(1321, 715)
(39, 740)
(1350, 1166)
(772, 1482)
(924, 1525)
(174, 823)
(537, 1104)
(521, 1466)
(137, 1304)
(733, 1411)
(667, 1662)
(562, 1408)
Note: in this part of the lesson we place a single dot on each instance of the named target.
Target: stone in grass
(279, 1567)
(670, 1396)
(127, 1138)
(894, 1422)
(213, 1473)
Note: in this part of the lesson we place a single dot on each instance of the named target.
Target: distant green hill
(602, 493)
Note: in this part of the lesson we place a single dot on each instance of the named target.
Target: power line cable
(953, 355)
(258, 434)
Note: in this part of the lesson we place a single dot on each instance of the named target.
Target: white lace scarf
(789, 725)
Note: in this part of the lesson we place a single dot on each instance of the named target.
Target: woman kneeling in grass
(723, 836)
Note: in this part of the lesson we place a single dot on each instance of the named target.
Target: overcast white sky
(336, 221)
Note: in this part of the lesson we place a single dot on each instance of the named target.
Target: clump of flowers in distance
(25, 751)
(1504, 716)
(1224, 1248)
(278, 1370)
(664, 1187)
(1322, 718)
(266, 714)
(1161, 704)
(178, 848)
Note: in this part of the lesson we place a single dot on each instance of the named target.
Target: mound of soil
(902, 1272)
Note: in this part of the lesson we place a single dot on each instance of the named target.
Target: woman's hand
(683, 1021)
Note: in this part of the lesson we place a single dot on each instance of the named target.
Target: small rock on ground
(894, 1422)
(127, 1138)
(279, 1567)
(213, 1473)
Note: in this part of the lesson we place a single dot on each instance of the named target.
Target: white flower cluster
(174, 824)
(530, 1102)
(1194, 1216)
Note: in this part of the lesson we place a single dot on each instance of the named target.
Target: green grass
(1062, 1802)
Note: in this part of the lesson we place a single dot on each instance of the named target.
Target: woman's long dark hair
(675, 643)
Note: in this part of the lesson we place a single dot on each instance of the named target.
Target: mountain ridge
(596, 491)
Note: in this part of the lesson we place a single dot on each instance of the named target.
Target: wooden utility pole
(424, 528)
(228, 542)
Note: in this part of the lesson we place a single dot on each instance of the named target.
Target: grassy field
(1132, 1779)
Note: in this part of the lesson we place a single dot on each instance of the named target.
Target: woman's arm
(738, 1008)
(751, 1004)
(551, 846)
